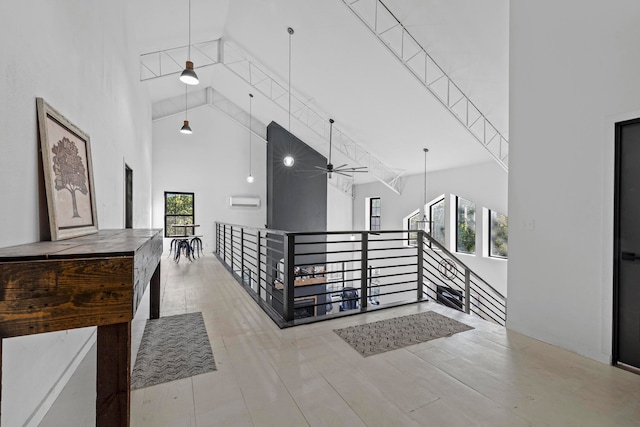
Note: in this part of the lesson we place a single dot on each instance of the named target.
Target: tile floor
(308, 376)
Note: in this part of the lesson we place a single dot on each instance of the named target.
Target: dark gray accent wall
(296, 201)
(296, 198)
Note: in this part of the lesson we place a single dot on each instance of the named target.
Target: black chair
(350, 299)
(196, 246)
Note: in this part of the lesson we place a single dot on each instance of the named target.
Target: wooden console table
(95, 280)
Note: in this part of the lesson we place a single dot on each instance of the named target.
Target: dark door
(128, 197)
(626, 295)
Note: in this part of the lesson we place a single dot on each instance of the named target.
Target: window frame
(192, 215)
(457, 226)
(409, 241)
(431, 204)
(371, 215)
(490, 234)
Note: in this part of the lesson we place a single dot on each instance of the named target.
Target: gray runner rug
(172, 348)
(384, 335)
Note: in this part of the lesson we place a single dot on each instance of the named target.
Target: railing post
(231, 246)
(467, 290)
(420, 250)
(364, 261)
(242, 256)
(224, 243)
(289, 288)
(258, 260)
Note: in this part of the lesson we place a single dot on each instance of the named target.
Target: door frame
(616, 238)
(128, 169)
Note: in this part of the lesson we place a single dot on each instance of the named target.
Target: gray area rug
(384, 335)
(172, 348)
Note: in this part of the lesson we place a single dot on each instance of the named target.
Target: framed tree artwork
(68, 175)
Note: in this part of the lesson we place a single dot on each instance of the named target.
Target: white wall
(213, 163)
(485, 184)
(574, 64)
(78, 56)
(339, 210)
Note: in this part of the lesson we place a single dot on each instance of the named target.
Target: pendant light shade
(288, 160)
(189, 76)
(186, 129)
(250, 177)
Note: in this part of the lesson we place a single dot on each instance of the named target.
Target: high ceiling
(345, 72)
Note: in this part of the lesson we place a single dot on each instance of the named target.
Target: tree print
(69, 170)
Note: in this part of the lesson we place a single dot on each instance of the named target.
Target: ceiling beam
(382, 23)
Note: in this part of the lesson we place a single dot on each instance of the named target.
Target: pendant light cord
(290, 31)
(189, 47)
(424, 206)
(330, 137)
(250, 119)
(186, 103)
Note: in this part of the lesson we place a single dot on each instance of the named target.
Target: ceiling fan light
(189, 76)
(288, 161)
(186, 129)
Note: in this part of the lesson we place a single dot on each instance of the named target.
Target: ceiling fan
(342, 169)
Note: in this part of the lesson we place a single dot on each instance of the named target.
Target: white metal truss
(166, 62)
(259, 78)
(171, 61)
(210, 97)
(390, 31)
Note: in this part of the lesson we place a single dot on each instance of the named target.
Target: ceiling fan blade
(351, 170)
(321, 168)
(317, 174)
(343, 174)
(340, 167)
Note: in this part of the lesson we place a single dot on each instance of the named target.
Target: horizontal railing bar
(298, 254)
(321, 242)
(382, 276)
(397, 265)
(480, 310)
(392, 257)
(396, 292)
(267, 230)
(400, 283)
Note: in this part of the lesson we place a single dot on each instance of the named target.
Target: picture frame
(68, 175)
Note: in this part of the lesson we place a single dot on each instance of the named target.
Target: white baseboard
(47, 402)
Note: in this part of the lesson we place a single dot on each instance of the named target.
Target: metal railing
(302, 277)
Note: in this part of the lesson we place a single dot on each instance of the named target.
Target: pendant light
(189, 76)
(250, 177)
(186, 129)
(288, 159)
(424, 223)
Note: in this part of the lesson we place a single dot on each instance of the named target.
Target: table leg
(154, 293)
(0, 380)
(113, 400)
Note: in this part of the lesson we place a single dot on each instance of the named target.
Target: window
(436, 214)
(374, 213)
(498, 234)
(465, 226)
(178, 209)
(412, 225)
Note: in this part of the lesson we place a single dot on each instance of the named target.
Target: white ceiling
(344, 71)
